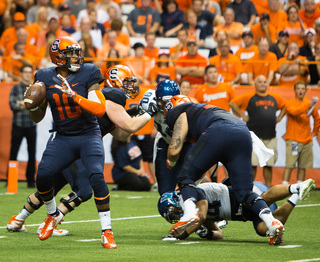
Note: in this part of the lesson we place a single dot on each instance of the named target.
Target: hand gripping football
(34, 95)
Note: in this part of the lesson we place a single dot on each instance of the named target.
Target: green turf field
(138, 230)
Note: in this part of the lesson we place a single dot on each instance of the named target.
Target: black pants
(133, 182)
(30, 133)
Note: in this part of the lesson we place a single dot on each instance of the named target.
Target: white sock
(293, 199)
(266, 215)
(105, 220)
(294, 188)
(189, 207)
(23, 215)
(50, 206)
(285, 182)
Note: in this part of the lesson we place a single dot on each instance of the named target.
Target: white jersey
(218, 200)
(159, 119)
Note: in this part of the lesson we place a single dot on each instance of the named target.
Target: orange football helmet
(63, 49)
(175, 101)
(121, 76)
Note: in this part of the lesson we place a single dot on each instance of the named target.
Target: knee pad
(73, 197)
(250, 199)
(35, 206)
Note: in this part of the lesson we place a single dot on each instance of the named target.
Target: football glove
(65, 88)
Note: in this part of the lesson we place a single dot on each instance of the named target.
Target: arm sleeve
(95, 104)
(296, 111)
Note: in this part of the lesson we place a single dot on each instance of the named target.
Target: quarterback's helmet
(63, 49)
(169, 207)
(121, 76)
(175, 101)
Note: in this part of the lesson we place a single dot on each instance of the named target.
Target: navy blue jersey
(200, 116)
(117, 96)
(68, 117)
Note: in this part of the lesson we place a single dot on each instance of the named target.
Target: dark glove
(152, 108)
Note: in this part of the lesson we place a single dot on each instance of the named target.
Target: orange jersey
(14, 65)
(288, 81)
(220, 95)
(259, 33)
(309, 20)
(153, 54)
(159, 73)
(245, 54)
(234, 27)
(228, 68)
(147, 129)
(199, 61)
(278, 19)
(298, 124)
(295, 32)
(262, 66)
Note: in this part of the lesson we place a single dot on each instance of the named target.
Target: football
(35, 95)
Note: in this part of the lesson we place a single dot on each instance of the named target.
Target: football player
(119, 85)
(219, 137)
(217, 201)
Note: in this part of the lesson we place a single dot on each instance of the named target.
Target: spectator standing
(112, 42)
(262, 63)
(185, 88)
(314, 69)
(291, 67)
(228, 65)
(280, 47)
(244, 11)
(191, 66)
(261, 106)
(264, 29)
(128, 170)
(101, 15)
(122, 37)
(22, 125)
(213, 92)
(317, 29)
(143, 19)
(171, 18)
(106, 4)
(299, 136)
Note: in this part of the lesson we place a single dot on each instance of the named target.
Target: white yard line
(305, 260)
(95, 220)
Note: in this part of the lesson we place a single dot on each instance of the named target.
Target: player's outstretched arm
(122, 119)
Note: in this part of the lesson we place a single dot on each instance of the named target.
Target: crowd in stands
(242, 38)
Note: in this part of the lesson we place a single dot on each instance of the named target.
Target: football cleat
(56, 232)
(185, 221)
(276, 233)
(49, 225)
(305, 188)
(170, 238)
(15, 225)
(107, 240)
